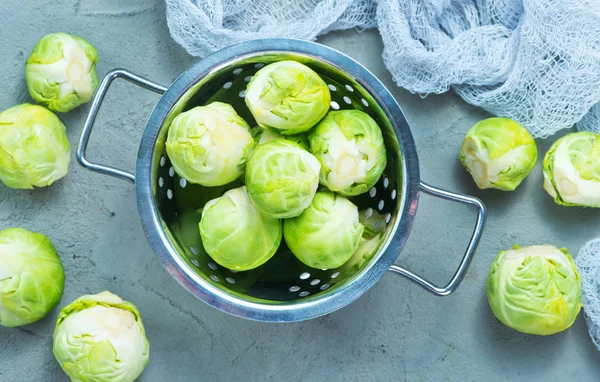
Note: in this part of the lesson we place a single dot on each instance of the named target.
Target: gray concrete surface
(395, 332)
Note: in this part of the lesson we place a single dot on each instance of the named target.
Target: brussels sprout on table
(534, 290)
(499, 153)
(572, 170)
(101, 338)
(287, 96)
(350, 147)
(236, 234)
(266, 134)
(282, 178)
(60, 71)
(326, 234)
(34, 148)
(209, 145)
(32, 278)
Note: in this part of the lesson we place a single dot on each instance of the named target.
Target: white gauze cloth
(536, 61)
(588, 265)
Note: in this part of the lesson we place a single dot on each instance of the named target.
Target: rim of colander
(333, 299)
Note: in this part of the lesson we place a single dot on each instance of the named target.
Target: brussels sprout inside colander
(350, 147)
(209, 145)
(236, 234)
(326, 234)
(266, 134)
(287, 96)
(282, 178)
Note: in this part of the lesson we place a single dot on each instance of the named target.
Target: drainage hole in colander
(334, 275)
(376, 225)
(195, 262)
(182, 182)
(388, 217)
(247, 79)
(349, 88)
(372, 192)
(335, 105)
(294, 288)
(386, 182)
(364, 101)
(369, 212)
(347, 100)
(393, 194)
(325, 286)
(242, 93)
(171, 172)
(214, 278)
(237, 71)
(163, 160)
(259, 65)
(227, 85)
(232, 271)
(304, 293)
(161, 182)
(304, 276)
(230, 280)
(332, 87)
(380, 205)
(212, 266)
(194, 250)
(315, 282)
(170, 193)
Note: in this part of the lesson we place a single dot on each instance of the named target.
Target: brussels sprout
(236, 234)
(101, 338)
(326, 234)
(372, 220)
(287, 96)
(572, 170)
(351, 150)
(209, 145)
(34, 148)
(282, 178)
(32, 279)
(60, 71)
(499, 153)
(266, 134)
(367, 247)
(534, 290)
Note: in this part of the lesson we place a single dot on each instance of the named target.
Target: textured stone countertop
(396, 331)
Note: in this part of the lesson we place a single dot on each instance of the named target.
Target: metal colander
(283, 289)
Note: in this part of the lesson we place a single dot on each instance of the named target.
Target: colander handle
(467, 257)
(91, 118)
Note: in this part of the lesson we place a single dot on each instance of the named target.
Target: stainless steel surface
(283, 289)
(469, 252)
(91, 118)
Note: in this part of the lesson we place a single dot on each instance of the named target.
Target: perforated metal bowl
(283, 289)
